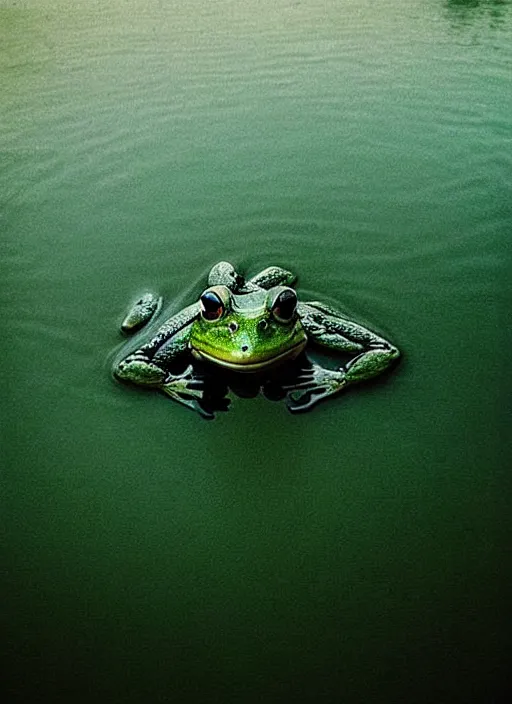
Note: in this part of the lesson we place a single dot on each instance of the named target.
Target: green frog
(255, 328)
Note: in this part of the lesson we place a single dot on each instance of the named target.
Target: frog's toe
(304, 380)
(195, 392)
(191, 398)
(304, 399)
(311, 385)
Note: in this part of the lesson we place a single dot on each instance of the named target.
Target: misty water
(352, 554)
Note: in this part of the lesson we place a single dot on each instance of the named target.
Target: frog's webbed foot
(311, 385)
(141, 312)
(197, 392)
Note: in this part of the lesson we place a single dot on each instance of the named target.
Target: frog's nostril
(245, 348)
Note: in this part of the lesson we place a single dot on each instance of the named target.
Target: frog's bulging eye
(284, 306)
(212, 308)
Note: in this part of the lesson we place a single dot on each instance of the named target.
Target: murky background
(352, 554)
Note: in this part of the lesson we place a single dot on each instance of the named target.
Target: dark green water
(354, 554)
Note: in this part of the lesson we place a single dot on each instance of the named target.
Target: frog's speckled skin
(257, 327)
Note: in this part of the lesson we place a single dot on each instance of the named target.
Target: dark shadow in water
(216, 383)
(463, 13)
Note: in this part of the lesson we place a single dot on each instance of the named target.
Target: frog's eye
(212, 307)
(284, 306)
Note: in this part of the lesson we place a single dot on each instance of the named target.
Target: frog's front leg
(149, 365)
(146, 366)
(329, 328)
(151, 370)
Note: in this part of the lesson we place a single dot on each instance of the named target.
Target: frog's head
(247, 332)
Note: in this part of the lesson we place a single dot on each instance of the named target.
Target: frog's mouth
(250, 365)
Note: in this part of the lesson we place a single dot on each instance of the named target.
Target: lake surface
(354, 554)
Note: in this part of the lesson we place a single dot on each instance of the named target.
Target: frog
(253, 328)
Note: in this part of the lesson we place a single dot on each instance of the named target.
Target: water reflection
(467, 12)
